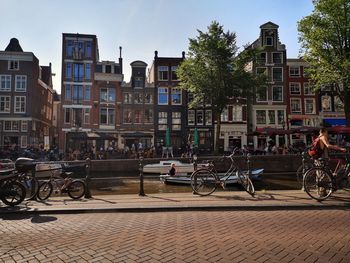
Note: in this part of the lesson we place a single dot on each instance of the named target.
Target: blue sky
(141, 26)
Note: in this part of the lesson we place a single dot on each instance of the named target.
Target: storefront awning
(334, 122)
(137, 135)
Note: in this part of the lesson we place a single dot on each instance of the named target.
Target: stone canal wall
(271, 164)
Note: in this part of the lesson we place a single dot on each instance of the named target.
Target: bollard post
(87, 178)
(195, 158)
(142, 191)
(303, 170)
(248, 165)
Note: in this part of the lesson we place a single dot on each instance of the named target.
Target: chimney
(156, 54)
(120, 60)
(183, 54)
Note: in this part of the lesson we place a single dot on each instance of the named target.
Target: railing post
(88, 178)
(142, 191)
(195, 158)
(303, 170)
(248, 165)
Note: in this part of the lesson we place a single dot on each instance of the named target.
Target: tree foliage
(213, 71)
(325, 39)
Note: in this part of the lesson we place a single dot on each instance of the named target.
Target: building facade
(26, 99)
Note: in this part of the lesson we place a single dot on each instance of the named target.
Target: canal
(104, 184)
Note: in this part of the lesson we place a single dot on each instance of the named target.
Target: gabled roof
(14, 46)
(269, 25)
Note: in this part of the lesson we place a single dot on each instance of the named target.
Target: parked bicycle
(320, 181)
(307, 164)
(206, 180)
(59, 184)
(11, 191)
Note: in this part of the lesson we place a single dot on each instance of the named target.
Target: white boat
(163, 167)
(46, 169)
(233, 179)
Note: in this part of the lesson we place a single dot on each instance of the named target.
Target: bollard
(142, 191)
(303, 171)
(248, 165)
(195, 158)
(87, 178)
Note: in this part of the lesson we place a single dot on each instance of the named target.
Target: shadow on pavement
(34, 218)
(162, 198)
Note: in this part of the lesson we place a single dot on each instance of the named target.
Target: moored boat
(163, 167)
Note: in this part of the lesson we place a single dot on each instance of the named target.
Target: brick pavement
(196, 236)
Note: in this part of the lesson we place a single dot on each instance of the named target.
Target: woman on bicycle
(325, 146)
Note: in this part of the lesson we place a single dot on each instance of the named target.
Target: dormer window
(13, 65)
(108, 69)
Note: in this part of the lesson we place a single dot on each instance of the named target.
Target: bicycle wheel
(204, 182)
(76, 189)
(31, 184)
(13, 193)
(45, 190)
(244, 180)
(318, 183)
(299, 173)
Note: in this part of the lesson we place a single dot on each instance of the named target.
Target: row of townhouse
(98, 109)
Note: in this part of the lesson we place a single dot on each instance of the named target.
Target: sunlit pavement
(179, 236)
(227, 200)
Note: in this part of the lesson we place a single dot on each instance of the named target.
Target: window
(308, 89)
(108, 69)
(277, 93)
(66, 115)
(148, 116)
(86, 113)
(338, 104)
(148, 98)
(272, 119)
(78, 72)
(5, 104)
(326, 103)
(107, 95)
(5, 82)
(163, 96)
(21, 83)
(138, 98)
(137, 116)
(200, 118)
(295, 105)
(13, 65)
(190, 117)
(127, 98)
(20, 104)
(173, 73)
(208, 117)
(176, 96)
(68, 93)
(280, 117)
(162, 120)
(87, 93)
(294, 71)
(294, 88)
(237, 114)
(309, 106)
(163, 72)
(139, 82)
(260, 117)
(262, 58)
(88, 71)
(277, 58)
(224, 115)
(69, 51)
(176, 121)
(68, 70)
(261, 70)
(261, 94)
(107, 116)
(127, 116)
(11, 126)
(268, 41)
(189, 98)
(77, 94)
(24, 126)
(24, 141)
(277, 74)
(88, 49)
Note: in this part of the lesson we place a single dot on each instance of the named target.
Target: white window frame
(19, 100)
(24, 126)
(67, 110)
(129, 116)
(162, 120)
(198, 113)
(176, 91)
(330, 103)
(166, 91)
(24, 141)
(208, 117)
(173, 69)
(150, 96)
(176, 120)
(308, 87)
(191, 117)
(224, 115)
(292, 70)
(13, 65)
(313, 102)
(139, 111)
(291, 105)
(281, 57)
(279, 80)
(258, 97)
(6, 79)
(268, 37)
(163, 69)
(151, 114)
(86, 116)
(294, 88)
(6, 100)
(237, 113)
(273, 91)
(256, 117)
(107, 114)
(127, 98)
(138, 98)
(21, 80)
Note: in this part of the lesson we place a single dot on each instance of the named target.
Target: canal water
(152, 184)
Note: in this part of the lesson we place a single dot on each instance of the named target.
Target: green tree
(325, 39)
(213, 71)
